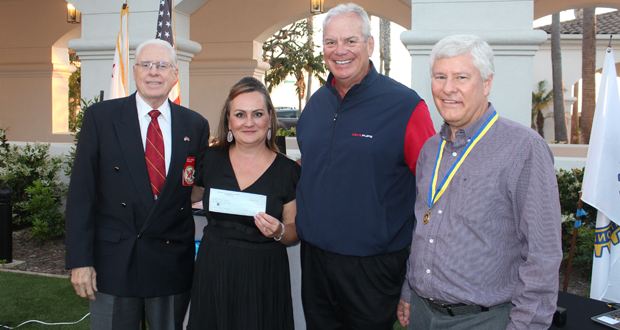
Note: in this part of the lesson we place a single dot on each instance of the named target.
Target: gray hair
(160, 42)
(457, 45)
(346, 9)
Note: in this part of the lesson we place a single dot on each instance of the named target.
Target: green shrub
(77, 122)
(287, 132)
(43, 206)
(20, 167)
(584, 245)
(569, 187)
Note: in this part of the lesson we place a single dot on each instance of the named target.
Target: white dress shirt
(165, 124)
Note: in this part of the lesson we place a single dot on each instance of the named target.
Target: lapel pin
(186, 139)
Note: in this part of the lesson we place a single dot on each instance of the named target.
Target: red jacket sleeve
(419, 129)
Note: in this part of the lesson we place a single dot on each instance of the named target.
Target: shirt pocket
(477, 197)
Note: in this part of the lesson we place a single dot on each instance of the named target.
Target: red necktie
(155, 154)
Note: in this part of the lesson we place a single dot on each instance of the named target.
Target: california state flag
(120, 69)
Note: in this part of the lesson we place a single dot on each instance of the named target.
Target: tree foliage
(540, 100)
(291, 52)
(75, 81)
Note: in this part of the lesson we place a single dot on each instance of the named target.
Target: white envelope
(235, 202)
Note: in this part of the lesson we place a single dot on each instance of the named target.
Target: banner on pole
(120, 69)
(601, 185)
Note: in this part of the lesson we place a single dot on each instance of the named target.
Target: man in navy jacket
(359, 136)
(127, 245)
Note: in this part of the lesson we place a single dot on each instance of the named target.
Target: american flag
(165, 31)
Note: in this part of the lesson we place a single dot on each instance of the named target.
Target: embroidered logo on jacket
(362, 135)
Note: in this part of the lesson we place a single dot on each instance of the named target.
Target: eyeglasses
(160, 66)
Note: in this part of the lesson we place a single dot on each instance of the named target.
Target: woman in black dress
(241, 278)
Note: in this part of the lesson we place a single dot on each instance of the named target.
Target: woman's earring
(269, 134)
(229, 137)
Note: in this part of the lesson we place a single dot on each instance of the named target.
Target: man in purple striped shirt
(486, 248)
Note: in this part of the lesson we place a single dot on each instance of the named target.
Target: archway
(34, 69)
(231, 36)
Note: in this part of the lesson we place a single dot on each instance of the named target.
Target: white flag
(601, 185)
(120, 69)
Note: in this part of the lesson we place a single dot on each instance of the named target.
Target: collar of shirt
(463, 135)
(144, 109)
(359, 87)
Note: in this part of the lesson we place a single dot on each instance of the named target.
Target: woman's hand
(268, 225)
(285, 231)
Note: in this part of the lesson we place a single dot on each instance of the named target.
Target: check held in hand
(238, 203)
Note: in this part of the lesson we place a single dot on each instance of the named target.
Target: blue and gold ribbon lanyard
(435, 193)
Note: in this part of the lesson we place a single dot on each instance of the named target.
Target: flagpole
(572, 244)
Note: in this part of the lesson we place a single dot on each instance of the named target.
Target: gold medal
(426, 217)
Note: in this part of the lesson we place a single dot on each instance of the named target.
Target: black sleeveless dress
(241, 278)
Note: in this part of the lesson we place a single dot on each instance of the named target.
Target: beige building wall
(34, 69)
(34, 60)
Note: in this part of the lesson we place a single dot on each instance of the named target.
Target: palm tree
(574, 123)
(384, 46)
(559, 117)
(540, 100)
(288, 53)
(309, 45)
(588, 67)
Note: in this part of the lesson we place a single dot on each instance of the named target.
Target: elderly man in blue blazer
(130, 230)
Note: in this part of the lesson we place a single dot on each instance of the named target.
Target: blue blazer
(138, 247)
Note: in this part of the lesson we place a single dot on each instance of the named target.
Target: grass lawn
(26, 297)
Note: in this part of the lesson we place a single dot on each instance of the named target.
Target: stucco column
(505, 24)
(211, 81)
(568, 110)
(100, 26)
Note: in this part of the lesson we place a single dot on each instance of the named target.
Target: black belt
(454, 309)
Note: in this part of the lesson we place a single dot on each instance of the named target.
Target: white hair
(458, 45)
(160, 42)
(346, 9)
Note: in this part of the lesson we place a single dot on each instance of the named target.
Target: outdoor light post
(316, 6)
(73, 15)
(6, 218)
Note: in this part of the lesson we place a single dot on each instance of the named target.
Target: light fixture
(73, 15)
(316, 6)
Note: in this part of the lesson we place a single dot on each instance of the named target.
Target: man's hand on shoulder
(84, 280)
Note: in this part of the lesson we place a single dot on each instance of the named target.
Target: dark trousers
(423, 317)
(348, 292)
(110, 312)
